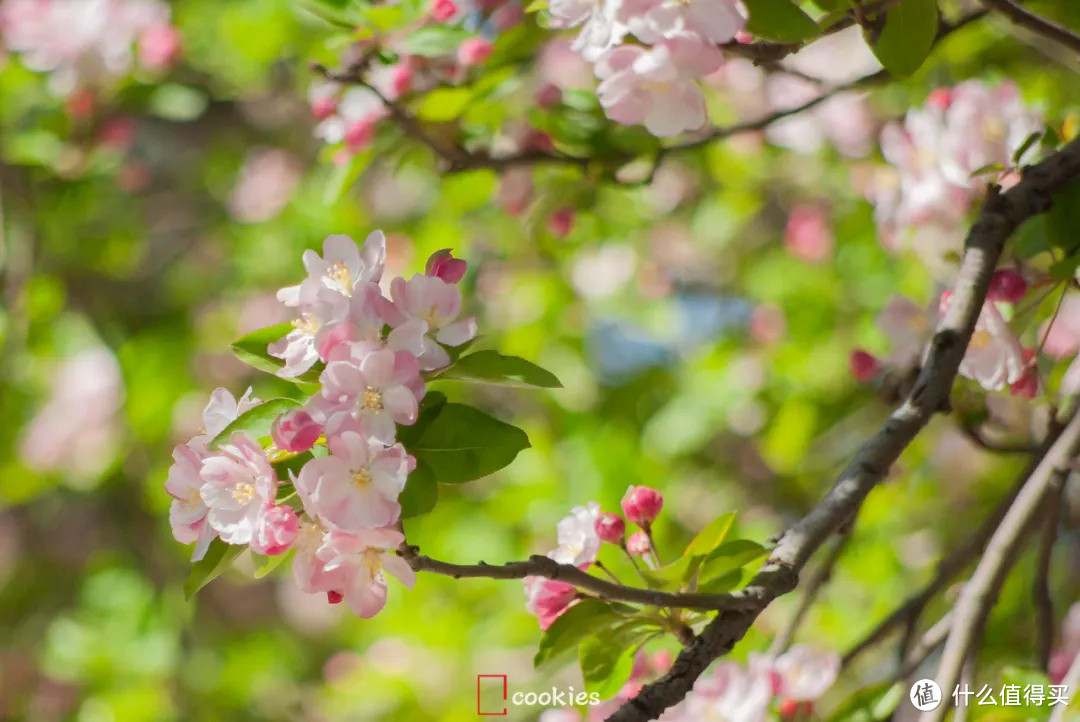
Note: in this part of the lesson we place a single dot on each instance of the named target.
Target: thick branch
(1035, 23)
(979, 594)
(1002, 213)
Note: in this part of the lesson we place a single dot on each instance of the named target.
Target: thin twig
(1002, 213)
(978, 437)
(1035, 23)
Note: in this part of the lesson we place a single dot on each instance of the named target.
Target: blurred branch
(1035, 23)
(1044, 601)
(977, 436)
(1001, 214)
(810, 591)
(980, 592)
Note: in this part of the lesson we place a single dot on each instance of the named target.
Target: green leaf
(607, 658)
(463, 443)
(779, 20)
(586, 618)
(383, 17)
(421, 492)
(494, 368)
(709, 538)
(730, 556)
(1063, 219)
(536, 6)
(251, 349)
(219, 556)
(178, 102)
(264, 565)
(434, 40)
(1026, 146)
(443, 104)
(723, 583)
(293, 463)
(1065, 269)
(255, 421)
(906, 37)
(988, 168)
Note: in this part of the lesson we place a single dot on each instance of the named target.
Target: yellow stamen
(243, 493)
(307, 323)
(980, 340)
(371, 400)
(339, 273)
(362, 477)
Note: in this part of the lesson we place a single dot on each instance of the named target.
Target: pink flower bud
(334, 597)
(1007, 286)
(743, 37)
(638, 544)
(80, 104)
(323, 108)
(807, 235)
(442, 264)
(864, 366)
(547, 599)
(548, 96)
(610, 528)
(641, 504)
(443, 10)
(359, 135)
(791, 709)
(159, 47)
(474, 51)
(295, 431)
(940, 98)
(401, 79)
(276, 531)
(118, 132)
(561, 222)
(1027, 386)
(538, 140)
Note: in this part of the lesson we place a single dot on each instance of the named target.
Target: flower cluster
(372, 351)
(791, 682)
(937, 154)
(654, 82)
(88, 42)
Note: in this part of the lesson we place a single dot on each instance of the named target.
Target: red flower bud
(864, 366)
(642, 504)
(610, 528)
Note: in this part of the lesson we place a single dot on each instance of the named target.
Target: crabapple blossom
(864, 366)
(159, 46)
(601, 26)
(806, 673)
(579, 542)
(437, 304)
(547, 599)
(363, 559)
(299, 348)
(238, 483)
(381, 388)
(443, 265)
(730, 692)
(357, 486)
(443, 10)
(355, 108)
(610, 528)
(341, 268)
(807, 235)
(474, 51)
(642, 504)
(187, 513)
(638, 544)
(655, 86)
(714, 20)
(295, 431)
(275, 530)
(309, 571)
(994, 357)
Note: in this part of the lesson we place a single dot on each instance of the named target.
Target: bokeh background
(700, 321)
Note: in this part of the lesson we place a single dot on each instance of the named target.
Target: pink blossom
(443, 10)
(159, 47)
(561, 221)
(610, 528)
(442, 264)
(357, 486)
(730, 692)
(309, 571)
(601, 26)
(547, 599)
(806, 673)
(437, 304)
(360, 133)
(187, 513)
(1007, 286)
(864, 366)
(295, 431)
(401, 79)
(221, 410)
(265, 185)
(1062, 334)
(994, 358)
(275, 530)
(807, 235)
(1027, 386)
(300, 347)
(238, 483)
(638, 544)
(578, 540)
(907, 325)
(653, 21)
(323, 107)
(342, 267)
(515, 190)
(381, 388)
(474, 51)
(655, 86)
(363, 559)
(356, 108)
(642, 504)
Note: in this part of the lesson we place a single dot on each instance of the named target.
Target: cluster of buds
(373, 351)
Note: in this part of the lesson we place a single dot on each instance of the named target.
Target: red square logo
(491, 696)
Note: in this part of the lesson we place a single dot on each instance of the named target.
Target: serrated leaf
(421, 492)
(255, 421)
(493, 367)
(586, 618)
(251, 349)
(779, 20)
(462, 443)
(432, 41)
(906, 37)
(219, 556)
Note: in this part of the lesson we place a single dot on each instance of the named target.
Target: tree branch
(1001, 214)
(1035, 23)
(1044, 601)
(980, 593)
(810, 591)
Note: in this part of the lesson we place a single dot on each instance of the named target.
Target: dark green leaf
(607, 658)
(255, 421)
(729, 556)
(421, 492)
(219, 556)
(1025, 146)
(251, 349)
(988, 168)
(779, 20)
(907, 36)
(584, 619)
(463, 443)
(434, 40)
(723, 583)
(495, 368)
(1063, 220)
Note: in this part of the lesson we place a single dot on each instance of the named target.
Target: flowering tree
(732, 419)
